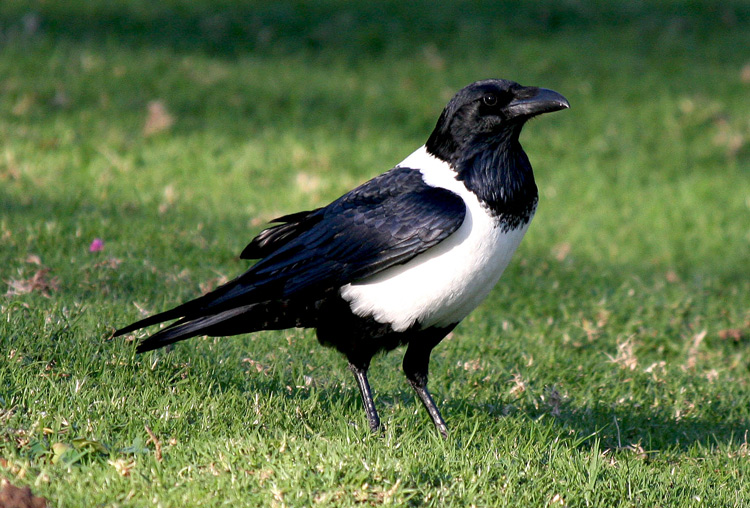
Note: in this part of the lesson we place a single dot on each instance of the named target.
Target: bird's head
(488, 112)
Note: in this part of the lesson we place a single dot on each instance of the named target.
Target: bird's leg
(431, 407)
(360, 373)
(416, 361)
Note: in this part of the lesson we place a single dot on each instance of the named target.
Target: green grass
(608, 368)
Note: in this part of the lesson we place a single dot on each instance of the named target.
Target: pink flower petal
(97, 245)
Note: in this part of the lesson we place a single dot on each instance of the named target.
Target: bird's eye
(490, 99)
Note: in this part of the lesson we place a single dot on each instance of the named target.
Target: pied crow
(401, 259)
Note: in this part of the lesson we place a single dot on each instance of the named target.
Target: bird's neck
(500, 175)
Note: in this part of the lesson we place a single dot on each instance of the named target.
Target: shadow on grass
(646, 432)
(350, 28)
(643, 430)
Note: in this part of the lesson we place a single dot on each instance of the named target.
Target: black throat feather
(497, 171)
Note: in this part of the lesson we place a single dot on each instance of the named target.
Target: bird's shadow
(628, 426)
(646, 431)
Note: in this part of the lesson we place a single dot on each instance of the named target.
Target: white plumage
(443, 285)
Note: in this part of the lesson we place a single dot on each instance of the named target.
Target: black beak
(532, 101)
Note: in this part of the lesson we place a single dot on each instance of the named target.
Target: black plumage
(393, 220)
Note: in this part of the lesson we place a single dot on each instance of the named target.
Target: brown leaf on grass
(672, 277)
(109, 263)
(433, 58)
(158, 119)
(728, 136)
(157, 445)
(263, 475)
(259, 367)
(213, 283)
(591, 330)
(519, 385)
(692, 354)
(9, 170)
(24, 104)
(40, 282)
(625, 356)
(122, 466)
(711, 375)
(278, 494)
(656, 368)
(557, 499)
(19, 497)
(471, 365)
(33, 259)
(143, 310)
(734, 334)
(170, 198)
(307, 182)
(745, 73)
(637, 449)
(561, 251)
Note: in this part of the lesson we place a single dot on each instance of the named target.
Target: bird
(398, 261)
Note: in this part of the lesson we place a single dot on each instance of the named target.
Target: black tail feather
(269, 315)
(223, 323)
(168, 315)
(197, 307)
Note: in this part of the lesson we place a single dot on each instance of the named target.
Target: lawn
(610, 366)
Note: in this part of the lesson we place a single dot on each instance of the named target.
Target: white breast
(443, 285)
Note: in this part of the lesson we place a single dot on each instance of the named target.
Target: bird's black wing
(384, 222)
